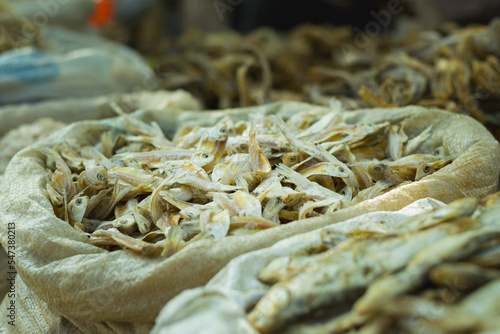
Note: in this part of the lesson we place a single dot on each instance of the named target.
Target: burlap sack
(88, 286)
(77, 109)
(70, 110)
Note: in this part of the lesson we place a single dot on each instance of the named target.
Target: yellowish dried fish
(168, 219)
(312, 189)
(368, 153)
(292, 158)
(100, 206)
(413, 143)
(153, 141)
(202, 158)
(249, 204)
(378, 188)
(143, 224)
(423, 169)
(198, 183)
(95, 178)
(133, 176)
(307, 208)
(156, 156)
(62, 180)
(216, 224)
(250, 223)
(113, 237)
(94, 157)
(383, 172)
(174, 240)
(76, 209)
(298, 144)
(258, 160)
(126, 224)
(124, 209)
(141, 128)
(55, 198)
(71, 154)
(272, 209)
(240, 164)
(340, 169)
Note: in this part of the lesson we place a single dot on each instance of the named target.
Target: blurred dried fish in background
(455, 69)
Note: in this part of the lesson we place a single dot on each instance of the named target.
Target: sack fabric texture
(65, 284)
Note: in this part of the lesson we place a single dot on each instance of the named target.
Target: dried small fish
(334, 276)
(76, 209)
(217, 224)
(383, 172)
(224, 179)
(312, 189)
(174, 240)
(395, 141)
(113, 237)
(258, 160)
(62, 180)
(413, 143)
(95, 178)
(156, 156)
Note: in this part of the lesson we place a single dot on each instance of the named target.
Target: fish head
(218, 133)
(202, 158)
(77, 208)
(440, 151)
(291, 159)
(125, 224)
(97, 177)
(365, 128)
(347, 192)
(424, 169)
(55, 198)
(337, 170)
(376, 171)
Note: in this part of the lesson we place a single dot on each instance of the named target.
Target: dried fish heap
(438, 272)
(456, 69)
(137, 189)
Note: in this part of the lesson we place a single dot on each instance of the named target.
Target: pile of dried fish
(140, 190)
(226, 70)
(438, 272)
(456, 69)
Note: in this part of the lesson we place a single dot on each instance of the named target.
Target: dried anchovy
(134, 185)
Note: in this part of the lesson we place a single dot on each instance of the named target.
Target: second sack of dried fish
(417, 270)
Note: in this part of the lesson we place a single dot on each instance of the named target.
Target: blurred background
(237, 53)
(134, 20)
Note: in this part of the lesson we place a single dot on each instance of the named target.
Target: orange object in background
(104, 13)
